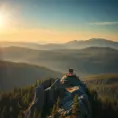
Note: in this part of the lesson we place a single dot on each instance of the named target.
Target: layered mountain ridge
(75, 44)
(22, 74)
(88, 61)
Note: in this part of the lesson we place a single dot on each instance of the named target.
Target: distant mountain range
(90, 57)
(21, 74)
(97, 42)
(88, 61)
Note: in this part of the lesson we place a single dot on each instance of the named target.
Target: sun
(2, 21)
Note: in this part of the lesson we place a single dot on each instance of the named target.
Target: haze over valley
(90, 60)
(74, 44)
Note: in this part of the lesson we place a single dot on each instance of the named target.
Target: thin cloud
(103, 23)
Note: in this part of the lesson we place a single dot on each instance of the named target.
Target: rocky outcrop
(66, 87)
(72, 86)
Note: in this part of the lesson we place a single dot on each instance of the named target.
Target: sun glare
(2, 21)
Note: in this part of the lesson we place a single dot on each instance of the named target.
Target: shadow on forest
(106, 108)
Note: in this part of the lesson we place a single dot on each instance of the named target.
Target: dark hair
(71, 70)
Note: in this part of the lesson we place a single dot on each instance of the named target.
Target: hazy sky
(58, 20)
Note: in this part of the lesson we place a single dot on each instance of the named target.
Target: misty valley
(35, 82)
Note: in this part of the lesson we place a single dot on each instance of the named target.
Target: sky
(58, 21)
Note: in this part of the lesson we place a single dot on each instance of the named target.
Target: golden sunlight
(3, 21)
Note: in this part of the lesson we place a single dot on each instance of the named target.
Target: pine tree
(53, 111)
(58, 103)
(20, 115)
(61, 116)
(36, 114)
(75, 107)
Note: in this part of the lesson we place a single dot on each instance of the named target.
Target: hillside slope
(66, 101)
(74, 44)
(96, 42)
(105, 85)
(89, 61)
(21, 74)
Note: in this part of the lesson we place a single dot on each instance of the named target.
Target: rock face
(71, 86)
(40, 98)
(68, 86)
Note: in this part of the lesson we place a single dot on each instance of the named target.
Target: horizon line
(43, 43)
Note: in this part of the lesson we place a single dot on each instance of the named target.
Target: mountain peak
(90, 40)
(72, 42)
(100, 40)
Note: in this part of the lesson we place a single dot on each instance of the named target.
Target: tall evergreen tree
(37, 114)
(53, 111)
(58, 103)
(75, 107)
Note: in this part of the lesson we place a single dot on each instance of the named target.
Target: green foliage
(55, 108)
(102, 107)
(53, 111)
(58, 103)
(61, 116)
(106, 85)
(101, 77)
(36, 114)
(75, 106)
(9, 102)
